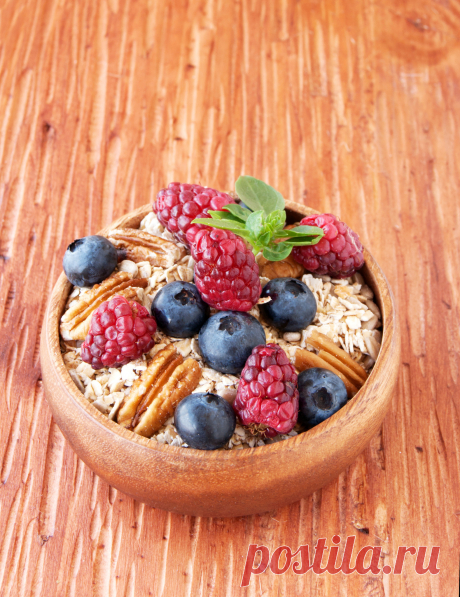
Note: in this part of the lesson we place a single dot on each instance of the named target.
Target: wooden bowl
(220, 483)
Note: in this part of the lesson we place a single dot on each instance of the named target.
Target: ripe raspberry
(338, 254)
(267, 392)
(179, 204)
(120, 331)
(226, 272)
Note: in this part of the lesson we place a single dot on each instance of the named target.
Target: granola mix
(346, 314)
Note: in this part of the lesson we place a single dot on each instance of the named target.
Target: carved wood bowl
(223, 482)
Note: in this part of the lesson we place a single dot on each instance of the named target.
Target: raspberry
(267, 392)
(338, 254)
(120, 331)
(226, 272)
(179, 204)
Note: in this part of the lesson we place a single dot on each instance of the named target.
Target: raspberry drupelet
(267, 399)
(179, 204)
(226, 272)
(120, 332)
(338, 254)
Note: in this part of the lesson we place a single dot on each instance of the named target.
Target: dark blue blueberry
(293, 306)
(226, 340)
(321, 394)
(179, 309)
(89, 260)
(205, 421)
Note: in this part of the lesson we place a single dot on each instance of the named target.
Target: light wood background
(351, 106)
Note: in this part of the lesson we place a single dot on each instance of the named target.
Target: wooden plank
(352, 107)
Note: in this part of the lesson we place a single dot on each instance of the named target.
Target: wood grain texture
(350, 106)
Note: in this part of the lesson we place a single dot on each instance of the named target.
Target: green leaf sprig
(262, 221)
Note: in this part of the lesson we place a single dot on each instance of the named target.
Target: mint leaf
(255, 223)
(258, 195)
(236, 227)
(276, 219)
(311, 231)
(218, 215)
(302, 241)
(308, 230)
(224, 215)
(237, 211)
(277, 252)
(264, 239)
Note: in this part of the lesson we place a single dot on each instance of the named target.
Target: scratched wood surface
(349, 106)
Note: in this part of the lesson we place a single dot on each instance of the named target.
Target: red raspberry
(338, 254)
(120, 331)
(267, 393)
(226, 272)
(179, 204)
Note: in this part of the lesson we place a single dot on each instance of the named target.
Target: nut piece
(333, 358)
(143, 246)
(286, 268)
(76, 320)
(340, 366)
(182, 382)
(304, 359)
(322, 342)
(148, 386)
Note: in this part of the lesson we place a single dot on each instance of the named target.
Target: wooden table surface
(350, 106)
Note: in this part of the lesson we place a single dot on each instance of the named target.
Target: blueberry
(293, 306)
(226, 340)
(89, 260)
(179, 309)
(205, 421)
(321, 394)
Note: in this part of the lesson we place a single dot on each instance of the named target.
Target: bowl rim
(54, 312)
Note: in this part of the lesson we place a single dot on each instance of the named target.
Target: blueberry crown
(261, 221)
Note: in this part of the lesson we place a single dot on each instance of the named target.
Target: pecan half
(76, 320)
(334, 358)
(148, 386)
(143, 246)
(163, 396)
(350, 374)
(286, 268)
(304, 359)
(323, 343)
